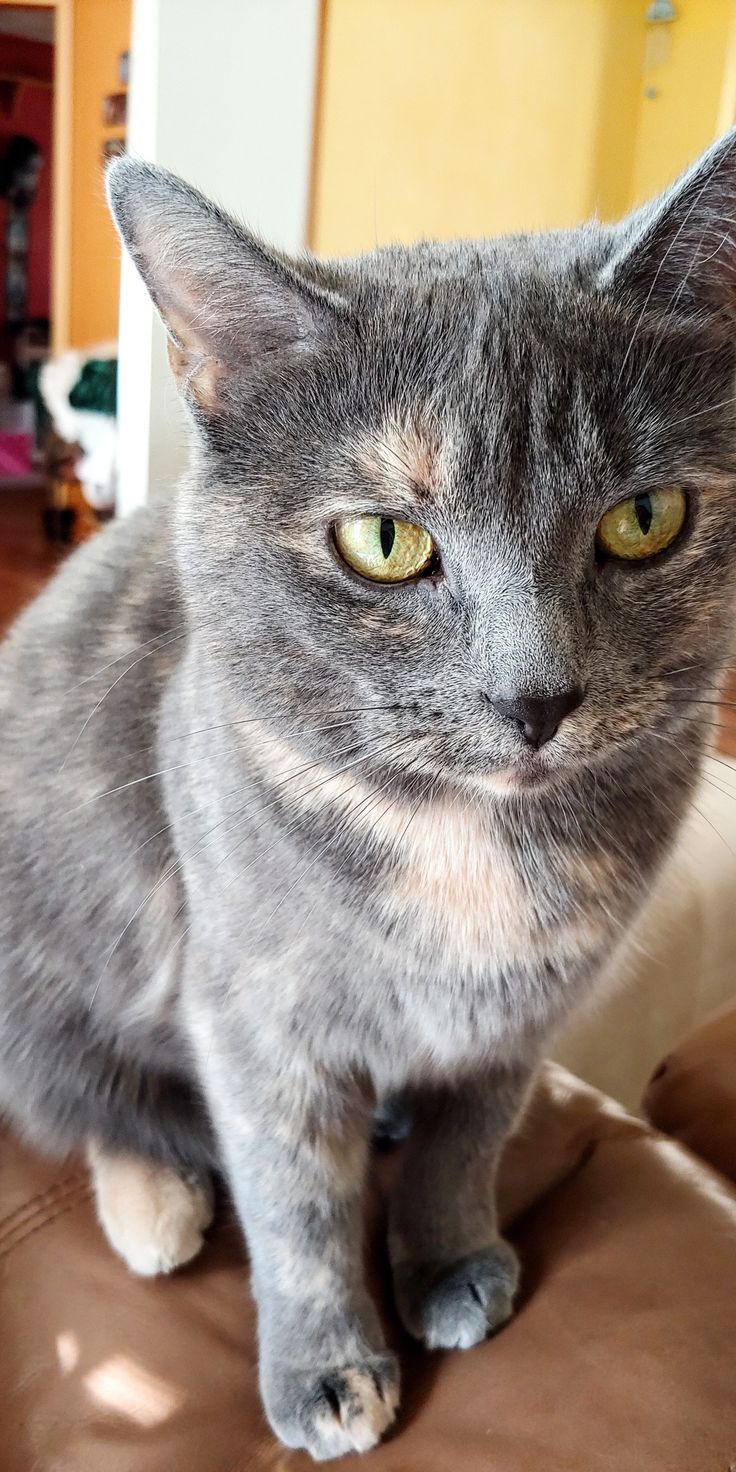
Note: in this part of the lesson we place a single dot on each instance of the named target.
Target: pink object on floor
(15, 454)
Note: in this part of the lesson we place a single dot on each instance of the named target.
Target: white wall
(222, 92)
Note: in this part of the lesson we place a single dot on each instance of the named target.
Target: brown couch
(692, 1094)
(622, 1357)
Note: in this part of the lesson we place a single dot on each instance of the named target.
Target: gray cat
(341, 774)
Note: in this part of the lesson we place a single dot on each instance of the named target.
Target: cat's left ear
(678, 253)
(227, 302)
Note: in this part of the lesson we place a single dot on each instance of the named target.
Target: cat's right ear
(226, 301)
(677, 254)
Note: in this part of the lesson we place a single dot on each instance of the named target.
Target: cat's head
(482, 494)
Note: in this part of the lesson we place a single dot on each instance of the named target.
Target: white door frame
(223, 94)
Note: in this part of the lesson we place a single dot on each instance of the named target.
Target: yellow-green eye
(643, 525)
(384, 549)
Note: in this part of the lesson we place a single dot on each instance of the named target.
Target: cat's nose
(538, 716)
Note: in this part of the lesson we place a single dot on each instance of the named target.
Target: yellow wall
(684, 65)
(472, 117)
(611, 144)
(101, 32)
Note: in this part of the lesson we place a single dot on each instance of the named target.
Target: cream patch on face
(403, 465)
(402, 461)
(371, 622)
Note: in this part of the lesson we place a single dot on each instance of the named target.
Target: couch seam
(31, 1207)
(35, 1223)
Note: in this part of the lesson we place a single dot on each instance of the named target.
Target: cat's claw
(456, 1305)
(331, 1411)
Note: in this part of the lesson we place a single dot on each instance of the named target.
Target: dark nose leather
(538, 716)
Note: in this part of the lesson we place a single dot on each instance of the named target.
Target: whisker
(722, 762)
(697, 700)
(709, 409)
(181, 766)
(109, 691)
(122, 787)
(424, 798)
(191, 853)
(656, 276)
(259, 859)
(338, 710)
(127, 653)
(381, 751)
(684, 669)
(233, 792)
(718, 784)
(371, 799)
(350, 824)
(713, 781)
(717, 831)
(694, 805)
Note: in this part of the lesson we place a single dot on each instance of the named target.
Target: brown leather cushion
(620, 1358)
(692, 1095)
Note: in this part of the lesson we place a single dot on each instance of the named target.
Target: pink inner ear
(198, 375)
(681, 252)
(226, 300)
(197, 371)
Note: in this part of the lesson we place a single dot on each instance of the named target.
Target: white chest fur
(459, 890)
(447, 879)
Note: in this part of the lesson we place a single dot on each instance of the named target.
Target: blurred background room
(335, 125)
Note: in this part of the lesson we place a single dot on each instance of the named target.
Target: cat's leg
(455, 1277)
(295, 1150)
(152, 1215)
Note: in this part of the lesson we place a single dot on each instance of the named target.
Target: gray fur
(218, 952)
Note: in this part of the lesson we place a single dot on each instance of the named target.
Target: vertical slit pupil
(387, 535)
(644, 513)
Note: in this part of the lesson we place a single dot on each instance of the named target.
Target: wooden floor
(27, 559)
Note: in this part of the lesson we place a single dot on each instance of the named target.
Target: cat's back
(82, 813)
(117, 590)
(81, 676)
(80, 667)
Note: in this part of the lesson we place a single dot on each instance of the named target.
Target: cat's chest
(462, 893)
(448, 879)
(492, 944)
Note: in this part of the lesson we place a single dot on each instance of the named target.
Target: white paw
(153, 1218)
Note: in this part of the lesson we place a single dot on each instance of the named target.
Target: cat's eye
(643, 525)
(384, 549)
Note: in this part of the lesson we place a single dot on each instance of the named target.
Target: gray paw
(332, 1410)
(455, 1305)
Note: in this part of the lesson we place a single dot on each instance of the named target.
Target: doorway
(26, 152)
(26, 143)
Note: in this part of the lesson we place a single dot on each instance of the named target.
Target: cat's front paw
(332, 1410)
(456, 1305)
